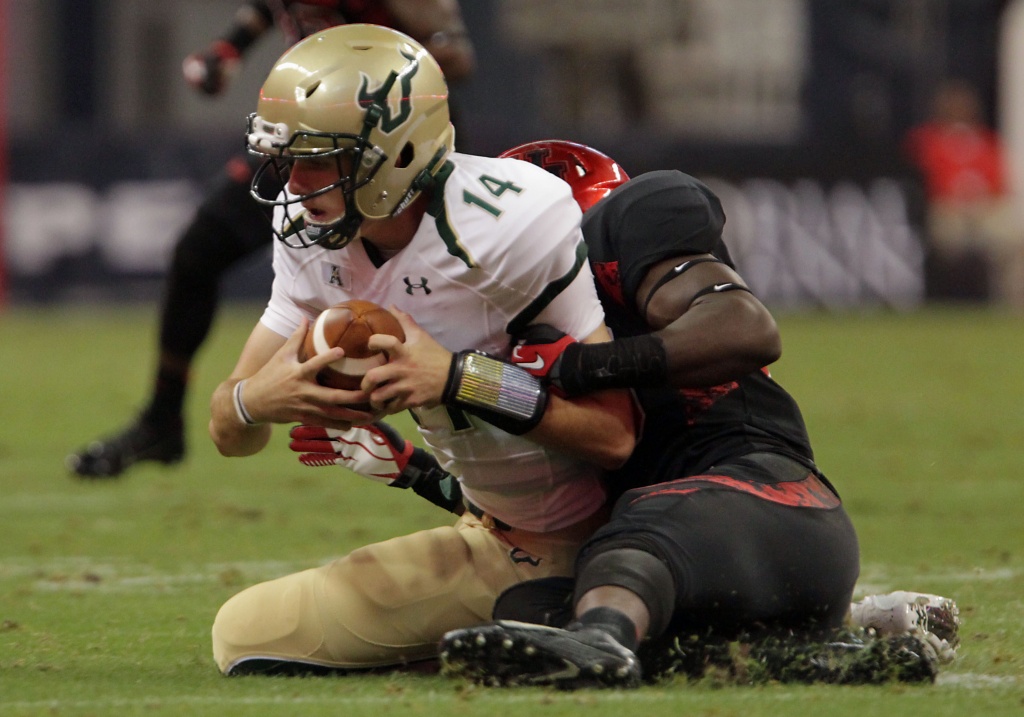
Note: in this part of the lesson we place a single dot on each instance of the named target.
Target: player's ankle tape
(500, 393)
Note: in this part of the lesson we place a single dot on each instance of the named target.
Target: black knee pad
(545, 601)
(637, 571)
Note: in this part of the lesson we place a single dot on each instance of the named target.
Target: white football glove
(933, 618)
(375, 451)
(378, 452)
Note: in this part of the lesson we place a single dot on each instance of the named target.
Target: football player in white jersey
(467, 250)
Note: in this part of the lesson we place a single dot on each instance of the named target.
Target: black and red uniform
(722, 486)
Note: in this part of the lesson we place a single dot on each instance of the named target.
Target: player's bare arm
(598, 428)
(270, 385)
(714, 329)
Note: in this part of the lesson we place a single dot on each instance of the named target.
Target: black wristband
(631, 362)
(499, 392)
(430, 481)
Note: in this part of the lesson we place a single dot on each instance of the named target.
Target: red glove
(539, 350)
(375, 451)
(211, 70)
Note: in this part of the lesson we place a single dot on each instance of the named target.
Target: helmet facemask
(348, 151)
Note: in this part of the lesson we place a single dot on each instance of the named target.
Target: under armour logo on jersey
(518, 555)
(409, 286)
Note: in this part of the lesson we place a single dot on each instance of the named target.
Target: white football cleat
(933, 618)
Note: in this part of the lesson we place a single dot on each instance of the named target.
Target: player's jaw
(313, 179)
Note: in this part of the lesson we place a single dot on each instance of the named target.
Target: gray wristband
(240, 409)
(501, 393)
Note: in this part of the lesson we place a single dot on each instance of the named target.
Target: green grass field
(108, 590)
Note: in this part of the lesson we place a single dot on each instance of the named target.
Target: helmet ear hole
(406, 156)
(312, 88)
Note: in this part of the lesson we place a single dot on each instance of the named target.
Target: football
(349, 325)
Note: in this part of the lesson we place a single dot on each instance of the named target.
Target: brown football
(350, 325)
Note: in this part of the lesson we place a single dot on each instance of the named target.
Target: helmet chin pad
(335, 235)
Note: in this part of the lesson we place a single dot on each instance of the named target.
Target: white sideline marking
(26, 502)
(878, 579)
(84, 574)
(106, 574)
(975, 681)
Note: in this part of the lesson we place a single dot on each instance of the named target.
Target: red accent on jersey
(607, 275)
(700, 400)
(807, 493)
(960, 163)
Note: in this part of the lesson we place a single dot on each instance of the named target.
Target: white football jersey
(499, 248)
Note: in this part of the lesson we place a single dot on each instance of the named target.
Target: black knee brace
(543, 601)
(637, 571)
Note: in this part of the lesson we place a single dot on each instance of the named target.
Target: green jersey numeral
(496, 187)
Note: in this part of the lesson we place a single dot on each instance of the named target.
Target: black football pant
(758, 543)
(228, 227)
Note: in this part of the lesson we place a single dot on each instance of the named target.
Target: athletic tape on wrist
(243, 415)
(501, 393)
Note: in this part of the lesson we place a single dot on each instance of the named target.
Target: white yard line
(106, 574)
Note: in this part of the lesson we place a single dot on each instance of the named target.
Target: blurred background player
(230, 226)
(971, 213)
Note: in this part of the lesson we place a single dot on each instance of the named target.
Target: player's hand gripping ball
(349, 325)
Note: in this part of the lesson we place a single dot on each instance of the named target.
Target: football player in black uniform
(724, 526)
(230, 226)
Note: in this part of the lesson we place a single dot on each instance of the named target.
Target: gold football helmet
(368, 96)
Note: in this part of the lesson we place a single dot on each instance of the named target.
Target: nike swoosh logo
(536, 365)
(719, 287)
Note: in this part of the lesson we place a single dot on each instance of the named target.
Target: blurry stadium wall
(793, 110)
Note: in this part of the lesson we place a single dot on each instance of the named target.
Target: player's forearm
(720, 340)
(599, 428)
(231, 433)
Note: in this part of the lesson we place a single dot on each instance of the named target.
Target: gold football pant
(391, 602)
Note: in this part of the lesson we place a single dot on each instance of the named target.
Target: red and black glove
(210, 71)
(569, 368)
(540, 349)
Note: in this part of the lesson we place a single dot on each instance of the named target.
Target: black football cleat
(507, 653)
(142, 440)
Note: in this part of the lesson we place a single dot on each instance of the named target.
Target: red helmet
(591, 174)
